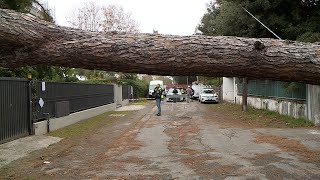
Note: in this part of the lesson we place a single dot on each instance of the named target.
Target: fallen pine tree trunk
(25, 40)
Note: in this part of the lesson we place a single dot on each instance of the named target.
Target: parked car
(197, 89)
(208, 95)
(170, 92)
(183, 91)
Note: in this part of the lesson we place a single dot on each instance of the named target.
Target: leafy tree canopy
(17, 5)
(289, 19)
(39, 72)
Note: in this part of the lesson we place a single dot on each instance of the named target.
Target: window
(208, 91)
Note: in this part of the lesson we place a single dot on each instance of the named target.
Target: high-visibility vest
(160, 89)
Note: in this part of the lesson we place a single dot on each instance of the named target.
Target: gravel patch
(131, 108)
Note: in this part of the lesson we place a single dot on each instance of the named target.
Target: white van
(152, 85)
(197, 89)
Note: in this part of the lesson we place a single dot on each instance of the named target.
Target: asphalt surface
(189, 141)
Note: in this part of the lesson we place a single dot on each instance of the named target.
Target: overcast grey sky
(178, 17)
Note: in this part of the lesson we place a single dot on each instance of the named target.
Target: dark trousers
(158, 102)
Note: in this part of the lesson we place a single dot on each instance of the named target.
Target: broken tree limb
(25, 40)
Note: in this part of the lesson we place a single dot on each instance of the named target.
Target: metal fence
(126, 92)
(17, 113)
(63, 98)
(274, 89)
(15, 120)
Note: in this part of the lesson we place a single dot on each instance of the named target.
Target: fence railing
(52, 99)
(61, 98)
(274, 89)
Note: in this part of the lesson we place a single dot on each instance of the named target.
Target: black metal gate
(15, 121)
(126, 92)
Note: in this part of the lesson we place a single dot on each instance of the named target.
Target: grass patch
(276, 117)
(263, 117)
(85, 126)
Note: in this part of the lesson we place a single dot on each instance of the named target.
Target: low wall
(117, 94)
(292, 108)
(313, 99)
(57, 123)
(125, 102)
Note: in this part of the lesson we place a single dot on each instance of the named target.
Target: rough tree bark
(25, 40)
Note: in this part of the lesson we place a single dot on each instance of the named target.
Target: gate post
(30, 120)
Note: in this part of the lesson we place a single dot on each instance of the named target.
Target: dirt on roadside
(195, 141)
(290, 146)
(231, 115)
(115, 133)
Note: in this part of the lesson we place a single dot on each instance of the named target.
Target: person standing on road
(158, 94)
(189, 93)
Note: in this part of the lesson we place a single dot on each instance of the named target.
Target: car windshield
(151, 87)
(208, 91)
(171, 91)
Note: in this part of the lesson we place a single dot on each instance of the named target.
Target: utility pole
(245, 80)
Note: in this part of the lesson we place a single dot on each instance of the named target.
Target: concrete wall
(295, 109)
(125, 102)
(309, 109)
(117, 94)
(313, 102)
(57, 123)
(228, 90)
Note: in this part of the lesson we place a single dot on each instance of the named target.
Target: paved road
(189, 141)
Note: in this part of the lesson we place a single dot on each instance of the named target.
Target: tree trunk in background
(25, 40)
(244, 94)
(220, 95)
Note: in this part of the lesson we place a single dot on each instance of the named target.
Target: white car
(208, 95)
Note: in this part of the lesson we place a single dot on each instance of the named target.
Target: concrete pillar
(117, 94)
(313, 103)
(228, 89)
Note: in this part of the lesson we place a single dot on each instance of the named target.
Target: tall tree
(88, 17)
(184, 79)
(116, 19)
(17, 5)
(293, 20)
(25, 40)
(40, 72)
(92, 17)
(289, 19)
(34, 7)
(166, 80)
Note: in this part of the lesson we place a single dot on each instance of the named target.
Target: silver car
(171, 99)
